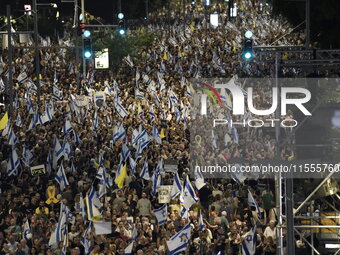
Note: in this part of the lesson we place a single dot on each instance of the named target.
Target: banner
(164, 194)
(82, 101)
(99, 98)
(40, 169)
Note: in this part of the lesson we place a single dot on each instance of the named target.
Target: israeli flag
(61, 178)
(249, 242)
(86, 241)
(67, 150)
(201, 224)
(12, 139)
(179, 242)
(139, 94)
(176, 186)
(76, 137)
(27, 234)
(27, 156)
(188, 195)
(156, 183)
(199, 180)
(82, 210)
(118, 132)
(125, 152)
(128, 249)
(13, 163)
(156, 135)
(132, 165)
(234, 135)
(145, 171)
(128, 60)
(67, 127)
(252, 202)
(161, 214)
(95, 121)
(121, 110)
(57, 94)
(22, 77)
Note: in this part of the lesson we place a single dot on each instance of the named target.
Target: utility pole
(9, 89)
(83, 21)
(307, 23)
(76, 23)
(36, 49)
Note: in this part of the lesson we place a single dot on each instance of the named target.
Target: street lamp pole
(36, 50)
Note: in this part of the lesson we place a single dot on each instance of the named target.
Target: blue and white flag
(145, 171)
(128, 60)
(22, 77)
(125, 152)
(176, 187)
(252, 202)
(128, 249)
(76, 137)
(18, 121)
(132, 165)
(85, 240)
(60, 229)
(156, 135)
(27, 156)
(161, 214)
(238, 176)
(234, 135)
(13, 163)
(67, 127)
(179, 242)
(67, 150)
(143, 138)
(199, 179)
(65, 242)
(156, 183)
(249, 242)
(61, 178)
(73, 169)
(57, 94)
(188, 195)
(201, 224)
(122, 112)
(12, 138)
(139, 94)
(118, 132)
(213, 140)
(27, 234)
(95, 121)
(82, 210)
(94, 206)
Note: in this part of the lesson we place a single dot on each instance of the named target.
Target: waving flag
(128, 249)
(128, 60)
(121, 110)
(156, 183)
(27, 234)
(12, 138)
(13, 163)
(125, 152)
(93, 205)
(199, 180)
(156, 135)
(57, 94)
(27, 156)
(121, 174)
(252, 202)
(132, 165)
(249, 242)
(61, 178)
(188, 194)
(118, 133)
(201, 224)
(18, 121)
(67, 127)
(85, 240)
(82, 210)
(180, 241)
(145, 171)
(176, 187)
(161, 214)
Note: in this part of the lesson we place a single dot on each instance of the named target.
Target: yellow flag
(192, 28)
(3, 121)
(139, 109)
(165, 57)
(162, 133)
(120, 179)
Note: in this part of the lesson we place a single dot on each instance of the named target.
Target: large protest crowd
(106, 150)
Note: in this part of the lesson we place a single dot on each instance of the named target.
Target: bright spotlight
(120, 15)
(248, 55)
(87, 33)
(87, 54)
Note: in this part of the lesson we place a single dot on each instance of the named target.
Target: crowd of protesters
(155, 93)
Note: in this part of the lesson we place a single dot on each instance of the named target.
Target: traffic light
(87, 50)
(121, 27)
(80, 28)
(248, 49)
